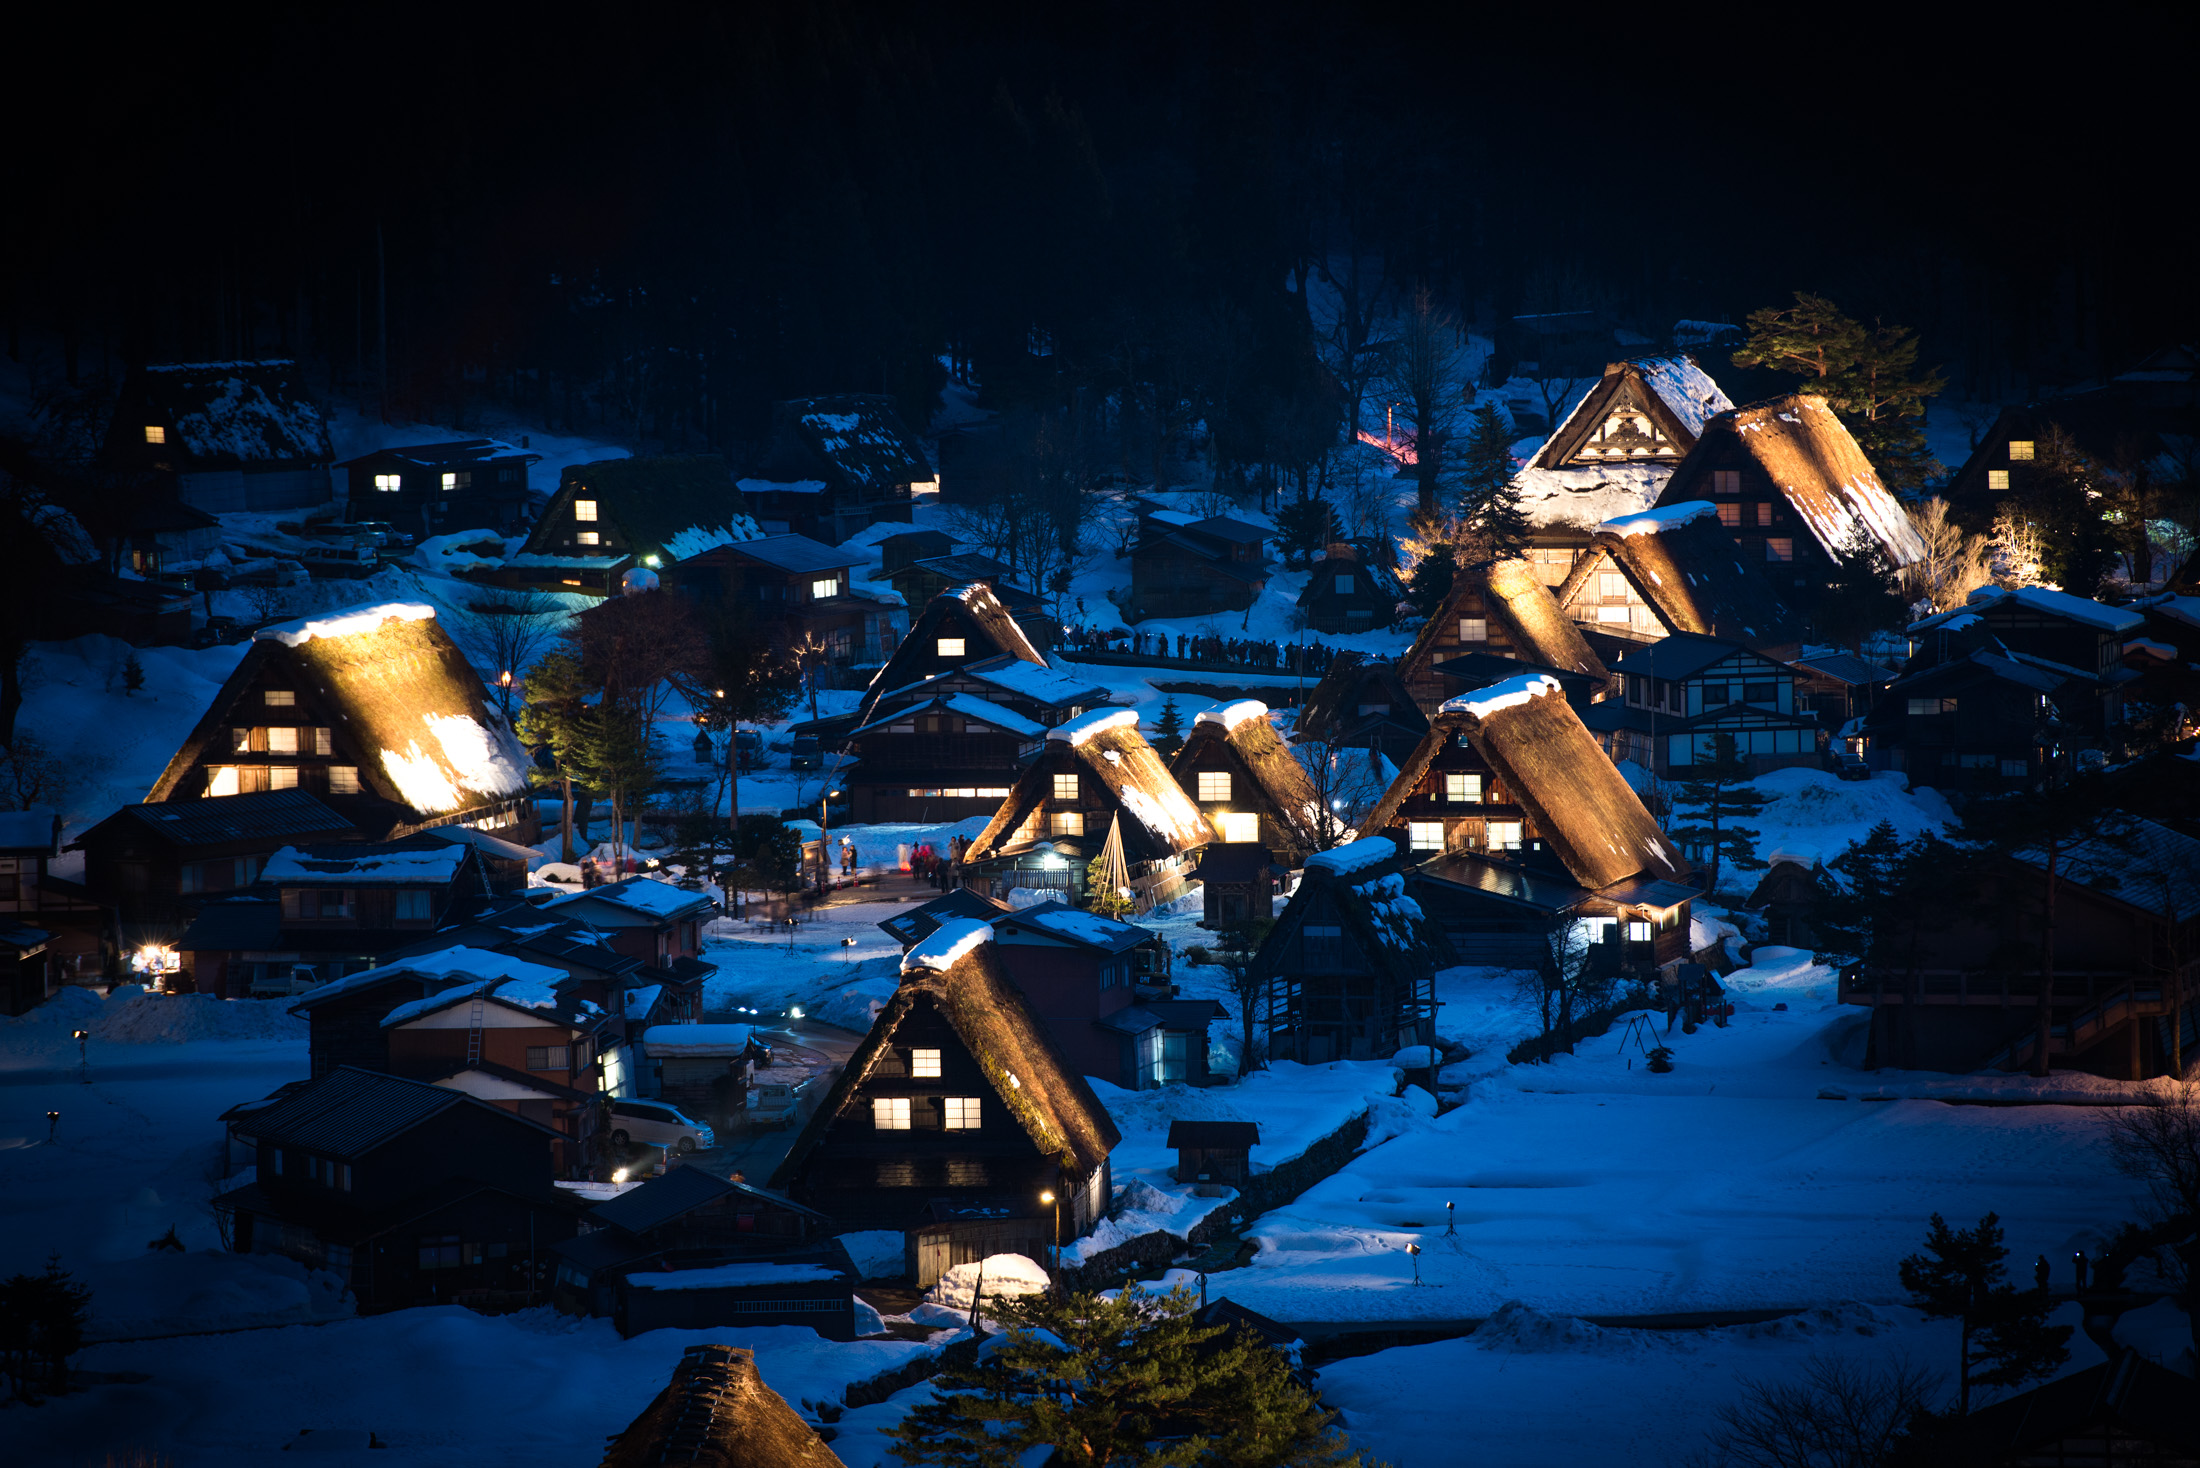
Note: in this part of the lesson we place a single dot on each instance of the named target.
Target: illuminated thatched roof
(1644, 410)
(1572, 794)
(402, 702)
(1528, 625)
(972, 613)
(1242, 733)
(718, 1413)
(956, 973)
(1159, 819)
(1686, 567)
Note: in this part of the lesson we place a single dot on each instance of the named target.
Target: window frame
(1214, 785)
(585, 512)
(951, 647)
(924, 1063)
(1062, 791)
(1418, 836)
(890, 1114)
(962, 1113)
(1474, 629)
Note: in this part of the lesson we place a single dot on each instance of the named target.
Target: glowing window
(1465, 789)
(962, 1113)
(1241, 827)
(154, 433)
(890, 1113)
(1730, 514)
(820, 590)
(1611, 614)
(1779, 548)
(589, 537)
(1612, 583)
(461, 479)
(584, 510)
(1065, 787)
(2020, 450)
(280, 699)
(1474, 629)
(222, 780)
(323, 743)
(282, 777)
(993, 792)
(1505, 835)
(1068, 823)
(1214, 784)
(924, 1064)
(1638, 932)
(1764, 512)
(1425, 835)
(389, 483)
(951, 647)
(343, 779)
(282, 741)
(1997, 479)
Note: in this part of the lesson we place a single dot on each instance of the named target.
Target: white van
(658, 1125)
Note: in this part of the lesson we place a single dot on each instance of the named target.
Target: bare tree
(1955, 562)
(2158, 1143)
(517, 626)
(1842, 1414)
(1423, 379)
(1347, 784)
(1567, 980)
(1356, 349)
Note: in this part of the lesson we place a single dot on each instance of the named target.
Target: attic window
(1065, 787)
(1779, 548)
(278, 698)
(589, 537)
(389, 483)
(1344, 584)
(1463, 789)
(154, 433)
(2020, 450)
(457, 479)
(924, 1065)
(584, 510)
(1997, 479)
(1214, 784)
(1474, 629)
(951, 647)
(1068, 823)
(1726, 481)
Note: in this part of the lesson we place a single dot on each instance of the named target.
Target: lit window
(1997, 479)
(820, 590)
(1764, 512)
(343, 779)
(1425, 835)
(1505, 835)
(890, 1113)
(589, 537)
(278, 699)
(1638, 931)
(1726, 481)
(962, 1113)
(924, 1064)
(2020, 450)
(1344, 584)
(322, 743)
(1065, 787)
(1611, 614)
(1779, 548)
(1474, 629)
(282, 741)
(240, 741)
(154, 433)
(1213, 784)
(1611, 584)
(222, 780)
(1240, 827)
(1068, 823)
(412, 906)
(462, 479)
(282, 777)
(951, 647)
(1466, 789)
(992, 792)
(389, 483)
(1730, 515)
(584, 510)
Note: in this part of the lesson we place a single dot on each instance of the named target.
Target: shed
(1344, 594)
(1214, 1151)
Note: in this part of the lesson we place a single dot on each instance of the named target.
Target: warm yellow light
(1046, 1197)
(619, 1176)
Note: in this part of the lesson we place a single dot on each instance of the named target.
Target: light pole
(1451, 1222)
(83, 1061)
(53, 1125)
(1413, 1252)
(1054, 1240)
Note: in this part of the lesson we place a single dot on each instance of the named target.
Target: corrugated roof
(350, 1112)
(663, 1199)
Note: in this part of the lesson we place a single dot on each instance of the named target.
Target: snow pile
(1511, 693)
(702, 1040)
(1145, 1208)
(1814, 815)
(1230, 715)
(1778, 973)
(165, 1293)
(948, 943)
(999, 1275)
(1521, 1328)
(1356, 856)
(1651, 522)
(733, 1276)
(168, 1019)
(877, 1253)
(1098, 721)
(349, 623)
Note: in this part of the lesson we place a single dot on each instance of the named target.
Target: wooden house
(1674, 569)
(1790, 486)
(680, 1219)
(1218, 1152)
(919, 581)
(1837, 686)
(223, 436)
(1560, 343)
(642, 917)
(429, 489)
(907, 547)
(1246, 781)
(1237, 883)
(801, 585)
(1505, 609)
(2124, 921)
(1361, 702)
(956, 1121)
(2129, 1410)
(703, 1069)
(958, 627)
(79, 925)
(1079, 973)
(1643, 411)
(412, 1194)
(864, 463)
(29, 975)
(1472, 670)
(1344, 594)
(1186, 567)
(718, 1411)
(913, 925)
(1680, 694)
(513, 1043)
(2077, 641)
(374, 711)
(1092, 775)
(1978, 722)
(344, 1016)
(1582, 848)
(1348, 971)
(616, 514)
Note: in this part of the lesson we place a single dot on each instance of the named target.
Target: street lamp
(1451, 1222)
(83, 1062)
(53, 1124)
(1047, 1199)
(1413, 1252)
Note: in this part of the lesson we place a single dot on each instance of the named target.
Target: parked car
(218, 632)
(385, 534)
(1851, 767)
(772, 1103)
(806, 755)
(658, 1125)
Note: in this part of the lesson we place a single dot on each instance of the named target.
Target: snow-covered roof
(1665, 517)
(348, 623)
(638, 894)
(1685, 388)
(782, 486)
(697, 1040)
(364, 864)
(2184, 609)
(947, 943)
(1092, 722)
(2059, 604)
(448, 965)
(2139, 862)
(1356, 856)
(639, 1002)
(524, 991)
(1037, 682)
(732, 1276)
(972, 707)
(1821, 469)
(1511, 693)
(234, 414)
(1081, 927)
(1230, 715)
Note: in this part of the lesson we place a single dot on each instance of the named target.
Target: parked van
(772, 1103)
(658, 1125)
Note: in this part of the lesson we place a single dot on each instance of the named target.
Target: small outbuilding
(1214, 1151)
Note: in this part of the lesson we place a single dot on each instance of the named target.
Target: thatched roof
(1529, 623)
(674, 506)
(1815, 461)
(1687, 568)
(1573, 795)
(956, 972)
(856, 441)
(1159, 819)
(1363, 885)
(1645, 410)
(718, 1413)
(1275, 775)
(1331, 712)
(408, 708)
(988, 630)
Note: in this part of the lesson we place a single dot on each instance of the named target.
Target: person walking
(2040, 1272)
(2077, 1265)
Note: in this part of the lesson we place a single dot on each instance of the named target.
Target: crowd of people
(1310, 658)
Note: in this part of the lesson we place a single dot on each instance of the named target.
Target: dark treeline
(653, 221)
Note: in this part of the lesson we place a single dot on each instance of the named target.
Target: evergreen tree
(1867, 375)
(2060, 502)
(133, 673)
(1134, 1382)
(1431, 580)
(767, 856)
(1100, 894)
(42, 1320)
(1717, 794)
(1962, 1276)
(1168, 728)
(1489, 500)
(1864, 595)
(556, 696)
(1304, 527)
(1860, 919)
(612, 751)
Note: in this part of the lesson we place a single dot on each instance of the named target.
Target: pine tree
(1863, 596)
(1431, 580)
(1867, 375)
(1100, 894)
(612, 752)
(1711, 800)
(133, 673)
(550, 723)
(1168, 728)
(1962, 1276)
(1134, 1382)
(1859, 918)
(1304, 527)
(1489, 501)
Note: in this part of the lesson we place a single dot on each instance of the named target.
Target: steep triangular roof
(1332, 709)
(1362, 884)
(1534, 628)
(1276, 777)
(856, 441)
(1105, 744)
(987, 628)
(1687, 568)
(956, 972)
(718, 1413)
(408, 708)
(672, 507)
(1645, 410)
(1535, 743)
(1817, 464)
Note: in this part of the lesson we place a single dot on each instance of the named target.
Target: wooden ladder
(473, 1035)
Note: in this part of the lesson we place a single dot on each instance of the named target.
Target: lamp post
(1451, 1222)
(1413, 1252)
(1054, 1240)
(83, 1061)
(53, 1125)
